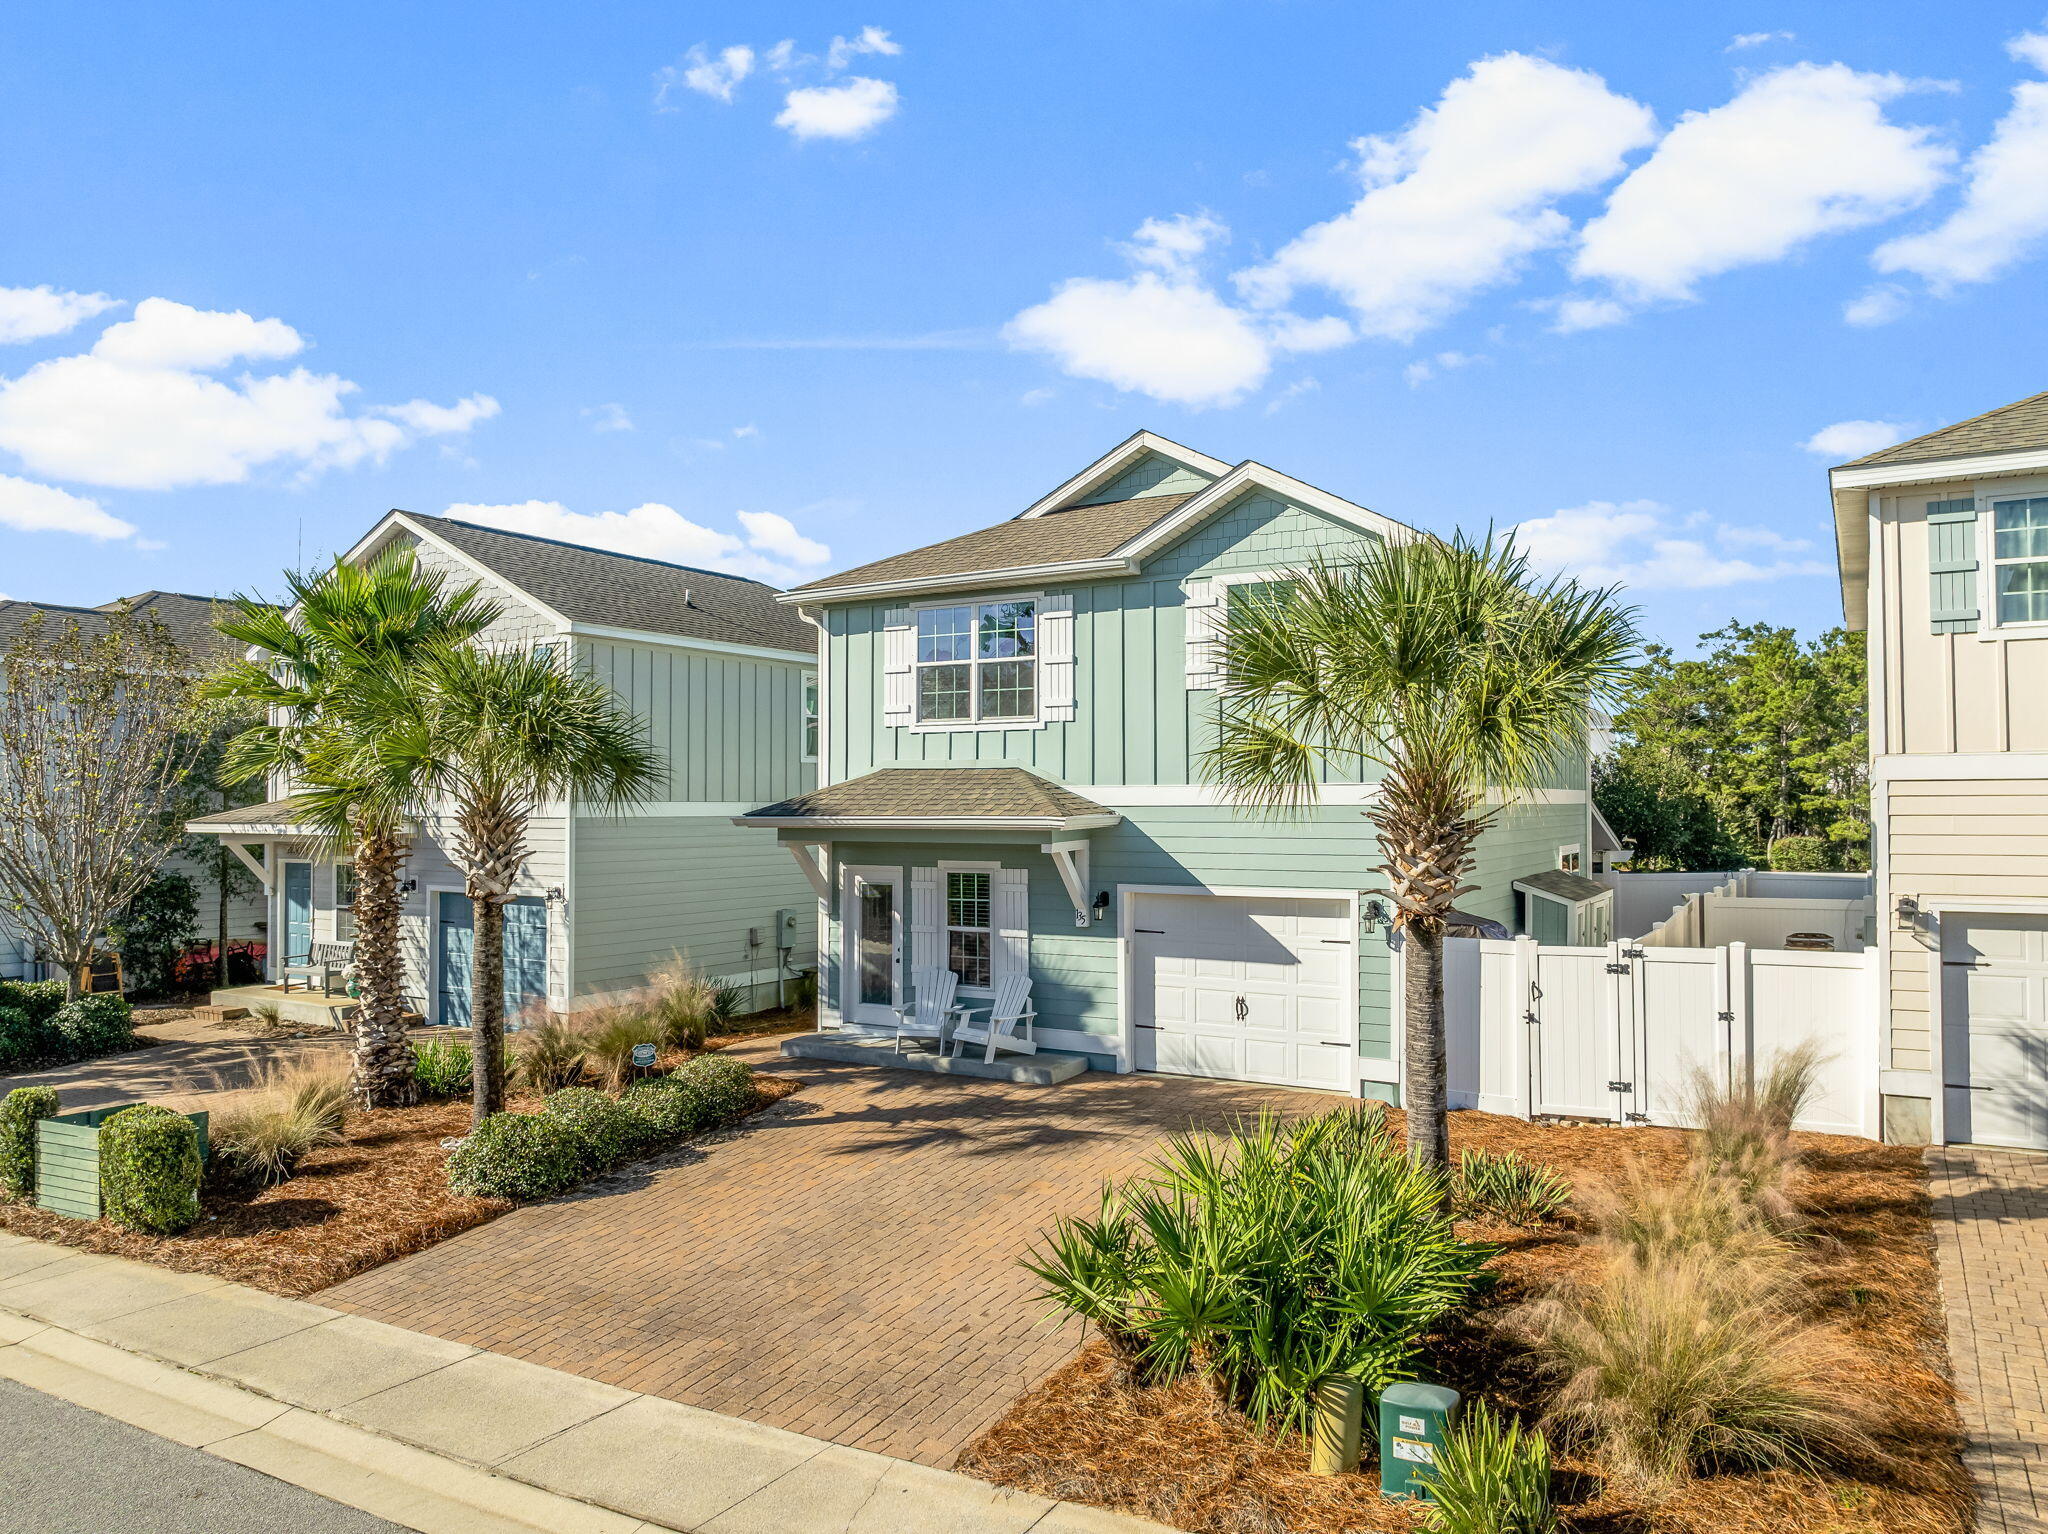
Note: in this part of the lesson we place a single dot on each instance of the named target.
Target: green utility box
(1413, 1421)
(68, 1160)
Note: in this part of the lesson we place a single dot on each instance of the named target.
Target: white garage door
(1994, 972)
(1252, 989)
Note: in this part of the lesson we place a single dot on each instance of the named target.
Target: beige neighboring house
(1943, 547)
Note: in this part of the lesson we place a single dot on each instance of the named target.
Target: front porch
(1046, 1068)
(301, 1007)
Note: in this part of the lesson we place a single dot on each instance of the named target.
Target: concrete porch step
(1047, 1068)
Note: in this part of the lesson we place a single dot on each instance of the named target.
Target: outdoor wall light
(1375, 913)
(556, 895)
(1908, 909)
(407, 886)
(1101, 904)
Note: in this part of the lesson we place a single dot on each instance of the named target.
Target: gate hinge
(1621, 1086)
(1636, 1118)
(1633, 953)
(1617, 969)
(1726, 1017)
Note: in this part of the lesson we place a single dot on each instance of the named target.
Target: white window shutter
(1011, 917)
(1204, 613)
(1056, 656)
(927, 946)
(899, 651)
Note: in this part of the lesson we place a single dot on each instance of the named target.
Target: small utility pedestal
(1413, 1421)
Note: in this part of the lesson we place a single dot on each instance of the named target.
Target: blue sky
(886, 274)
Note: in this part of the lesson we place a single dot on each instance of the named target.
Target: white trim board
(1935, 469)
(1937, 767)
(1114, 462)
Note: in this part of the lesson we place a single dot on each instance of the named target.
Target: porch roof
(279, 817)
(1559, 885)
(937, 798)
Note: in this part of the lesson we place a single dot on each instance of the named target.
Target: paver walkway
(186, 1062)
(846, 1269)
(1991, 1226)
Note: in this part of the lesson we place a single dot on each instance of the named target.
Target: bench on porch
(326, 960)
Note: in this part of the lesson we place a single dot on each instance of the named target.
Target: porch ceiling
(279, 817)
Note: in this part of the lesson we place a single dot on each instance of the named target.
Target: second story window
(2019, 555)
(977, 661)
(810, 720)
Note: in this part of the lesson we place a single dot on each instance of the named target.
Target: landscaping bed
(1865, 1266)
(379, 1194)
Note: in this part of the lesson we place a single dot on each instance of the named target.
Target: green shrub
(1269, 1261)
(149, 1169)
(518, 1155)
(289, 1109)
(1490, 1477)
(607, 1131)
(40, 999)
(1505, 1186)
(22, 1038)
(1801, 855)
(669, 1107)
(94, 1025)
(726, 1085)
(153, 929)
(19, 1111)
(442, 1067)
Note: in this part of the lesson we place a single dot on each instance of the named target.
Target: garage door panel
(1324, 1068)
(1321, 1019)
(1995, 1028)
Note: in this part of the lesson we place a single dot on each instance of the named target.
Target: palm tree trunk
(382, 1077)
(487, 1007)
(1423, 1094)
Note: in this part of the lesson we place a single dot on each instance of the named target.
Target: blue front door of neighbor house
(526, 956)
(298, 912)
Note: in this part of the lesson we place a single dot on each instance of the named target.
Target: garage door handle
(1242, 1010)
(1151, 931)
(1148, 1027)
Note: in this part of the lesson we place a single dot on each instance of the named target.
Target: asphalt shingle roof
(2014, 428)
(587, 585)
(1080, 532)
(918, 793)
(280, 812)
(188, 619)
(1562, 885)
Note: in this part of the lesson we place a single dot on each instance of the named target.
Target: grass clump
(19, 1112)
(610, 1034)
(1647, 1222)
(518, 1155)
(549, 1055)
(291, 1107)
(683, 1002)
(1505, 1185)
(1743, 1129)
(149, 1169)
(442, 1067)
(1492, 1476)
(1267, 1263)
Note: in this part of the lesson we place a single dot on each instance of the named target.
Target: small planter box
(68, 1160)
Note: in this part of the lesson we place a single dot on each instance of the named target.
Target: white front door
(871, 931)
(1250, 988)
(1994, 975)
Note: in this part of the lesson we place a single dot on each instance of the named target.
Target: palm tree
(1459, 676)
(345, 632)
(493, 736)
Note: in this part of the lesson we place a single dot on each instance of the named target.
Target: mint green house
(1010, 782)
(723, 677)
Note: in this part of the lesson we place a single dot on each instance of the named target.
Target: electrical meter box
(1413, 1421)
(785, 930)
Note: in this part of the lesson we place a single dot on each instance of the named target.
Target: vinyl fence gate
(1615, 1033)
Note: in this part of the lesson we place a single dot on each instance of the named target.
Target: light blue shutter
(1952, 566)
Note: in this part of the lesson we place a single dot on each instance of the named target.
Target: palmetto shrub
(291, 1108)
(607, 1131)
(548, 1054)
(442, 1067)
(19, 1111)
(149, 1169)
(1504, 1185)
(518, 1155)
(1491, 1476)
(1269, 1261)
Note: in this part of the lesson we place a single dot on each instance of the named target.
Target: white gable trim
(1982, 466)
(1114, 462)
(1248, 475)
(427, 535)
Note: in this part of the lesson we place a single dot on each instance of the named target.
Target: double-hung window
(977, 661)
(810, 719)
(2019, 559)
(344, 902)
(970, 951)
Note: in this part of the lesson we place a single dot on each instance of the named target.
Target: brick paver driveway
(1991, 1226)
(846, 1268)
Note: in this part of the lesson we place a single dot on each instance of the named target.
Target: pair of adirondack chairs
(934, 1015)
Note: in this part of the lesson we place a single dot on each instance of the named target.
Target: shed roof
(1559, 885)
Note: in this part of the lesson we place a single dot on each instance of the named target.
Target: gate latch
(1633, 953)
(1636, 1118)
(1621, 1086)
(1726, 1017)
(1617, 969)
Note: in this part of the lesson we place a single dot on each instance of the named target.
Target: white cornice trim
(1114, 462)
(928, 822)
(2016, 766)
(1076, 569)
(685, 642)
(1981, 466)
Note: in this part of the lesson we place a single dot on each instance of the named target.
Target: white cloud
(855, 106)
(1037, 396)
(30, 314)
(1173, 245)
(1457, 200)
(844, 50)
(716, 76)
(749, 430)
(1423, 369)
(139, 411)
(1292, 333)
(612, 417)
(1290, 394)
(1742, 40)
(1650, 547)
(1878, 304)
(2003, 217)
(1169, 337)
(770, 547)
(1852, 439)
(1799, 152)
(32, 508)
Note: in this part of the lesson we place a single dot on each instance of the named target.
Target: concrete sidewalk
(444, 1438)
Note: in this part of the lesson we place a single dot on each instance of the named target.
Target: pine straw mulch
(1172, 1454)
(380, 1194)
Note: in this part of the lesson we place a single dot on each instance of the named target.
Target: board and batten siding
(1136, 719)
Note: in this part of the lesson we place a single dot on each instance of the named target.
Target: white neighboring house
(1943, 550)
(189, 620)
(725, 679)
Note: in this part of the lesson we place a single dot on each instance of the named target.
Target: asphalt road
(65, 1470)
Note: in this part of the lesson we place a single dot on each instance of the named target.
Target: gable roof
(913, 795)
(625, 591)
(188, 619)
(2016, 428)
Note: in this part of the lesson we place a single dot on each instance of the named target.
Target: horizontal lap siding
(652, 885)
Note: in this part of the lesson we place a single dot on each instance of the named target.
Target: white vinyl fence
(1615, 1033)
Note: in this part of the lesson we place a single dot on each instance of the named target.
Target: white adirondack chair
(1009, 1024)
(931, 1012)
